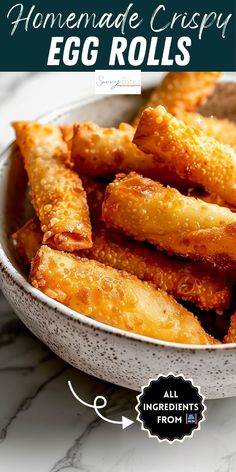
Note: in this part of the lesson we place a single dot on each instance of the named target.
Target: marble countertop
(42, 427)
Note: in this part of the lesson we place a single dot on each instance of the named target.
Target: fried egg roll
(184, 90)
(57, 192)
(28, 239)
(231, 335)
(221, 129)
(103, 152)
(181, 225)
(193, 154)
(186, 280)
(114, 297)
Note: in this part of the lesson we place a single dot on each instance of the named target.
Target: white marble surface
(42, 427)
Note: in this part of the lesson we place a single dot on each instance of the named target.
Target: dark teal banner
(87, 35)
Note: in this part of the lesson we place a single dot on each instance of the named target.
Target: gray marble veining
(42, 427)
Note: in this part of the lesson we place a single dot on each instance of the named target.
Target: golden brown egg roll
(57, 192)
(186, 280)
(28, 239)
(163, 216)
(231, 335)
(221, 129)
(193, 154)
(103, 152)
(114, 297)
(184, 90)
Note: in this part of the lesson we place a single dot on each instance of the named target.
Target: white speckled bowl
(111, 354)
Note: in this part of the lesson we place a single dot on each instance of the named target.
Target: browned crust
(57, 192)
(231, 335)
(194, 155)
(114, 297)
(163, 216)
(221, 129)
(28, 239)
(181, 278)
(183, 90)
(103, 152)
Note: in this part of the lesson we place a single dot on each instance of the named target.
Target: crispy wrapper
(221, 129)
(186, 280)
(184, 90)
(57, 192)
(193, 154)
(181, 225)
(211, 198)
(67, 134)
(114, 297)
(231, 335)
(28, 239)
(103, 152)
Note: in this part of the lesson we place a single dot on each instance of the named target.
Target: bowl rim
(7, 266)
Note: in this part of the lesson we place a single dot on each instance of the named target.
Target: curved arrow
(125, 422)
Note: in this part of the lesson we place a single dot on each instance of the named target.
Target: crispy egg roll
(184, 90)
(163, 216)
(186, 280)
(28, 239)
(103, 152)
(221, 129)
(114, 297)
(57, 192)
(193, 154)
(231, 335)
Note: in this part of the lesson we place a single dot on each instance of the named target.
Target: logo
(191, 419)
(170, 408)
(108, 82)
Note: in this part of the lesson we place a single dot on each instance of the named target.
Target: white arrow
(125, 422)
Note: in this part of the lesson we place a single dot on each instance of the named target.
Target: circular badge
(170, 408)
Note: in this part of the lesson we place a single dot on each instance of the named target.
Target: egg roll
(230, 337)
(222, 130)
(186, 280)
(114, 297)
(57, 192)
(184, 90)
(181, 225)
(194, 155)
(28, 239)
(103, 152)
